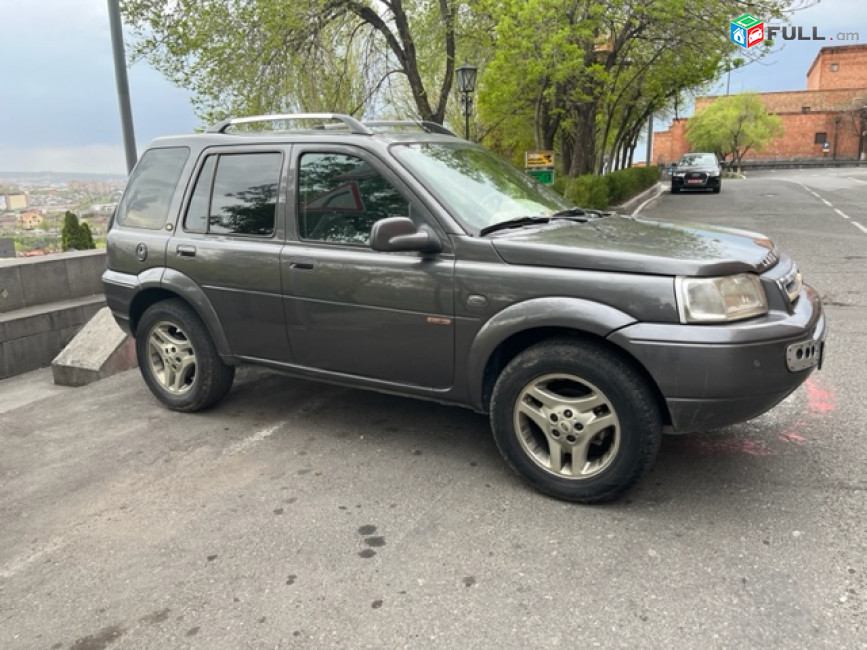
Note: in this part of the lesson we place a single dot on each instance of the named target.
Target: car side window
(341, 196)
(146, 201)
(236, 194)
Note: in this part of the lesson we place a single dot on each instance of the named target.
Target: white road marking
(246, 443)
(660, 189)
(859, 226)
(842, 214)
(18, 564)
(828, 203)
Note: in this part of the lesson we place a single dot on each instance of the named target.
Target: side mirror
(401, 234)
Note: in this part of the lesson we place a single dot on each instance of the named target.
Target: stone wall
(44, 302)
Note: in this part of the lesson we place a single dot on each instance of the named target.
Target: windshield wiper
(580, 212)
(572, 214)
(517, 222)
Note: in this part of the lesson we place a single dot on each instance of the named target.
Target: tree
(75, 235)
(732, 126)
(589, 73)
(262, 56)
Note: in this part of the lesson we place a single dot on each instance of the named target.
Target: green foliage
(75, 235)
(273, 56)
(588, 191)
(584, 77)
(732, 126)
(600, 192)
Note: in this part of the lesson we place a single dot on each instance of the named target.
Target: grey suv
(410, 261)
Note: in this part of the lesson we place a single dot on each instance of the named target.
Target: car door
(229, 244)
(353, 310)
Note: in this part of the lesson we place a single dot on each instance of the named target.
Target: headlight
(717, 300)
(679, 174)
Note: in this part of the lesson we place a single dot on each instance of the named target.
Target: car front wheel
(575, 420)
(178, 359)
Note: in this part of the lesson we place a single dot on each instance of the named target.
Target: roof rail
(424, 125)
(352, 124)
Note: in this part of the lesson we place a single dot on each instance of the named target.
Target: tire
(604, 444)
(674, 190)
(178, 360)
(716, 190)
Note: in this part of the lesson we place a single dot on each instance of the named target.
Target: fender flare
(187, 289)
(566, 313)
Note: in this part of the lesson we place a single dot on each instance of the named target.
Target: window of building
(805, 109)
(341, 196)
(236, 194)
(821, 138)
(835, 67)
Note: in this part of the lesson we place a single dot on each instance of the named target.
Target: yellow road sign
(536, 159)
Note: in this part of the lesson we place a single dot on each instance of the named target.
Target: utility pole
(649, 139)
(122, 83)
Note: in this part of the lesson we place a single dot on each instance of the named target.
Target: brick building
(828, 120)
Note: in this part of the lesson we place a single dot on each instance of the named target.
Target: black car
(697, 171)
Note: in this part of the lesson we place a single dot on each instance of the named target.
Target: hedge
(600, 192)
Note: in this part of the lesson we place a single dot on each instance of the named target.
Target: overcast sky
(59, 109)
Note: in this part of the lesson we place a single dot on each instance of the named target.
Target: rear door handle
(300, 263)
(185, 250)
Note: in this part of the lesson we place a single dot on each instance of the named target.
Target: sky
(58, 99)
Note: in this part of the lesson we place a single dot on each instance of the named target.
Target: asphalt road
(299, 515)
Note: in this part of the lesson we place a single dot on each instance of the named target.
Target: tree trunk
(583, 159)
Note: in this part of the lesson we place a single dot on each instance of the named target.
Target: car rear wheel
(575, 420)
(178, 359)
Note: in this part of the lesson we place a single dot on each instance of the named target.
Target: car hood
(630, 245)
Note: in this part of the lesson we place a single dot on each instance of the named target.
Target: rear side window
(236, 194)
(145, 203)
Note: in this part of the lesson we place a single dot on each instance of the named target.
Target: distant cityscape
(32, 206)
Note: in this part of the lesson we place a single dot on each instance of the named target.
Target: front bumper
(715, 375)
(702, 183)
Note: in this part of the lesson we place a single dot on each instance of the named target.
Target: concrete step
(99, 350)
(31, 337)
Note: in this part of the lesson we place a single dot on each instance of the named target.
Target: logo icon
(748, 31)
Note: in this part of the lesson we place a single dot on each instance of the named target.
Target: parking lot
(302, 515)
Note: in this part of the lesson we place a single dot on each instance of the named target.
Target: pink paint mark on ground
(728, 446)
(819, 400)
(793, 438)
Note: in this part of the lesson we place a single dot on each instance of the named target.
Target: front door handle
(185, 250)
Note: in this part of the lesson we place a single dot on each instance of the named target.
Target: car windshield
(693, 159)
(477, 187)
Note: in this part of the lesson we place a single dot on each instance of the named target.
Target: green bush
(75, 235)
(559, 185)
(600, 192)
(588, 191)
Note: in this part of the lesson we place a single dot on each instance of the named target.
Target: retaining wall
(44, 302)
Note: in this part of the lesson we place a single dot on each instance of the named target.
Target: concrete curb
(634, 205)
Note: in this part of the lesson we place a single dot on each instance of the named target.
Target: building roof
(794, 101)
(836, 49)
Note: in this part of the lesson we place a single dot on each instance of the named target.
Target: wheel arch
(507, 335)
(176, 285)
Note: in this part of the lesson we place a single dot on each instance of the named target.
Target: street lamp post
(466, 75)
(122, 83)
